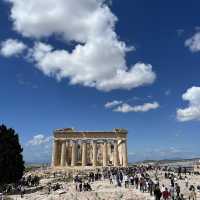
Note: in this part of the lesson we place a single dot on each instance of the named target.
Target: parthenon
(73, 148)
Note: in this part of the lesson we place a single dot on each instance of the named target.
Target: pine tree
(11, 159)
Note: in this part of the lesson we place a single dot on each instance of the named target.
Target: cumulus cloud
(112, 104)
(39, 140)
(98, 58)
(192, 112)
(11, 47)
(125, 108)
(193, 43)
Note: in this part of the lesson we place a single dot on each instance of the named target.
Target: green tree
(11, 159)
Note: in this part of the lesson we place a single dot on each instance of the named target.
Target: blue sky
(60, 65)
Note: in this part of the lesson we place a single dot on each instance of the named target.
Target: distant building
(89, 148)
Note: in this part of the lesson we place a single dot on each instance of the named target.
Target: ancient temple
(89, 148)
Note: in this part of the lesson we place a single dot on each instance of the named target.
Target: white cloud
(125, 108)
(112, 104)
(73, 20)
(193, 43)
(39, 140)
(38, 149)
(192, 112)
(11, 47)
(98, 59)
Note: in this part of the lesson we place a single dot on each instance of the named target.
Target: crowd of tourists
(26, 181)
(141, 178)
(145, 179)
(83, 183)
(30, 181)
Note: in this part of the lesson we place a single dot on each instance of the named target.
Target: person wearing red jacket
(166, 194)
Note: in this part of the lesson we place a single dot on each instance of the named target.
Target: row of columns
(62, 156)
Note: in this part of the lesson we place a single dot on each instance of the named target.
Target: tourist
(118, 180)
(84, 187)
(185, 171)
(186, 181)
(175, 179)
(88, 187)
(163, 188)
(22, 191)
(172, 192)
(151, 187)
(172, 181)
(142, 184)
(179, 171)
(121, 176)
(177, 188)
(192, 195)
(136, 181)
(146, 185)
(157, 193)
(111, 179)
(91, 177)
(132, 180)
(49, 188)
(166, 194)
(126, 181)
(80, 186)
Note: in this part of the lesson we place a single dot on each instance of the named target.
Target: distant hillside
(174, 161)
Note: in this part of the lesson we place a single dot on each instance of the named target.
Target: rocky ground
(103, 190)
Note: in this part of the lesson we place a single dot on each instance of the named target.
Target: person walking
(151, 187)
(186, 182)
(157, 193)
(163, 188)
(192, 195)
(166, 194)
(126, 181)
(185, 171)
(132, 180)
(172, 192)
(178, 190)
(136, 181)
(22, 191)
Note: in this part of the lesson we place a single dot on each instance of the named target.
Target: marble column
(94, 147)
(79, 152)
(84, 154)
(63, 154)
(125, 156)
(105, 154)
(120, 152)
(73, 161)
(67, 154)
(115, 154)
(109, 152)
(54, 153)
